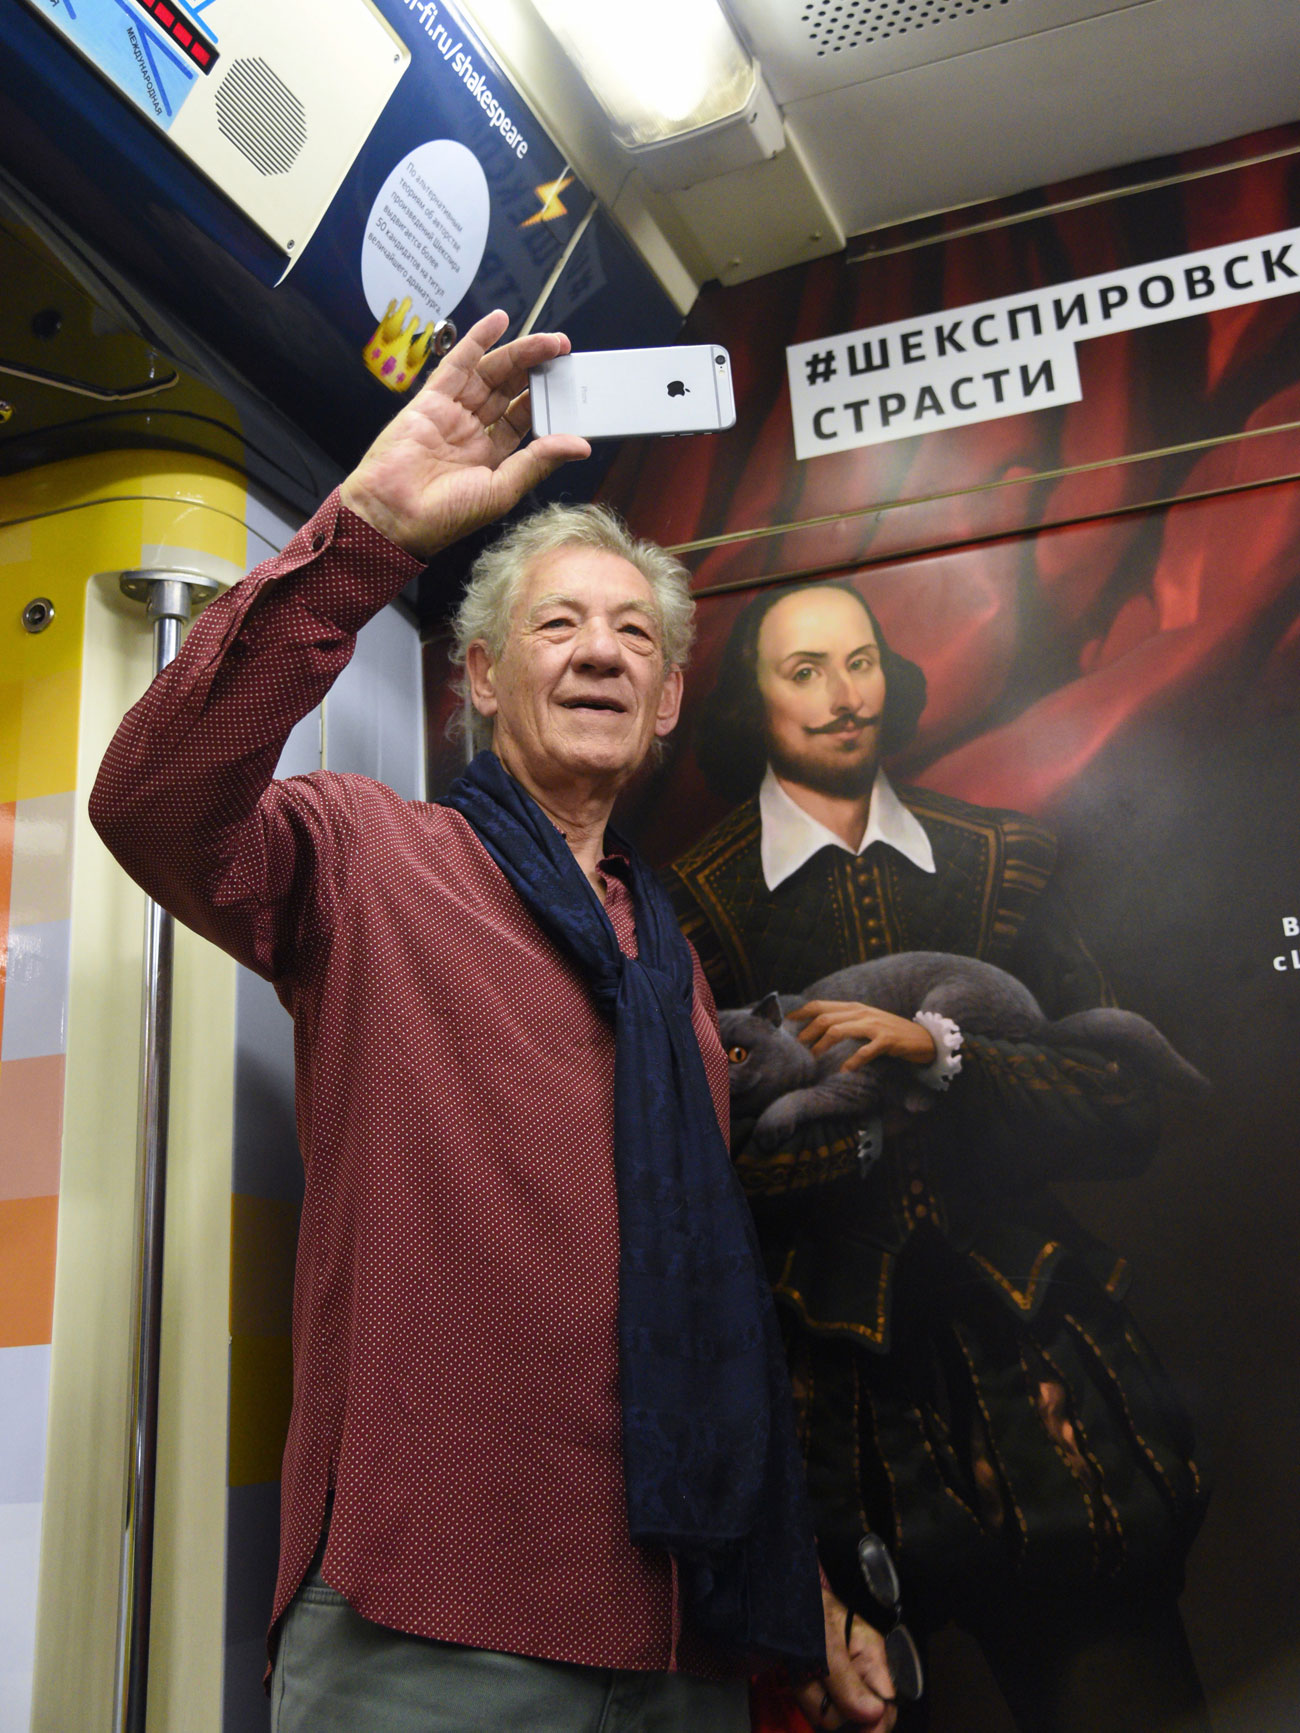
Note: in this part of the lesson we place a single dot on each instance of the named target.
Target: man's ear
(670, 704)
(481, 672)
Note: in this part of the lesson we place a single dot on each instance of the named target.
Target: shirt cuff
(945, 1065)
(346, 570)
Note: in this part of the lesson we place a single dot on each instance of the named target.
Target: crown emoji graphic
(399, 349)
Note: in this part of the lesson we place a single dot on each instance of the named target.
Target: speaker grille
(261, 116)
(834, 25)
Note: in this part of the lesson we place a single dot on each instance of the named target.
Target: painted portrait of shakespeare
(971, 1387)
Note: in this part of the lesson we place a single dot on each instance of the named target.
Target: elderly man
(540, 1470)
(971, 1390)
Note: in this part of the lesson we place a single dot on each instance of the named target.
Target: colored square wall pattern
(40, 680)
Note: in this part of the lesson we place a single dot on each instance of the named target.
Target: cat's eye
(738, 1055)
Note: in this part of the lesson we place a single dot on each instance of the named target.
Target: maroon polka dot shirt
(455, 1305)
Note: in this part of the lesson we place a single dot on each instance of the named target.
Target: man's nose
(599, 645)
(841, 693)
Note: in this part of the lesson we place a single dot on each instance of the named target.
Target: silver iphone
(616, 393)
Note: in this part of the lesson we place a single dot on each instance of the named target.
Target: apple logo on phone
(677, 388)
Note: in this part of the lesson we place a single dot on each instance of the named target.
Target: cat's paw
(777, 1124)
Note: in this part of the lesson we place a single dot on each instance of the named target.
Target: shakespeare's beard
(845, 778)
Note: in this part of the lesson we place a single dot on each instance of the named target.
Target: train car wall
(1102, 593)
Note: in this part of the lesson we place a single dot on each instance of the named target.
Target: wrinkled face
(823, 690)
(579, 692)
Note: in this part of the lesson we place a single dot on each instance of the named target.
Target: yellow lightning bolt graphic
(552, 204)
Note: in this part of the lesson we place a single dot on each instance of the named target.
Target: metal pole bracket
(169, 592)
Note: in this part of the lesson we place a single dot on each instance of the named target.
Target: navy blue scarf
(711, 1465)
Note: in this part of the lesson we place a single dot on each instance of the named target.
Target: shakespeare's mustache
(846, 724)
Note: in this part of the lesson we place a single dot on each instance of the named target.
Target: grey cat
(782, 1085)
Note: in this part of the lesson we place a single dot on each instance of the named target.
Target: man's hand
(448, 462)
(832, 1020)
(857, 1690)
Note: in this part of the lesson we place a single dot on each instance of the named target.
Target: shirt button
(317, 542)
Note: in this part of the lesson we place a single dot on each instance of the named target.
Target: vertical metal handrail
(168, 596)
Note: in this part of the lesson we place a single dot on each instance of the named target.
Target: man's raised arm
(185, 797)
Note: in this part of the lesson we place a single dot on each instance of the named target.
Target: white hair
(498, 575)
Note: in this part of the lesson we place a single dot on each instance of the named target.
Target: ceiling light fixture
(684, 96)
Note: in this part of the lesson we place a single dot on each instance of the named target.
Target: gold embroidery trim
(875, 1335)
(1023, 1298)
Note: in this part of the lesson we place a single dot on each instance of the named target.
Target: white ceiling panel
(1115, 89)
(810, 47)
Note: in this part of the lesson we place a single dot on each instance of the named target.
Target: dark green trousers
(335, 1672)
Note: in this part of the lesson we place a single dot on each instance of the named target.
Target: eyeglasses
(881, 1578)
